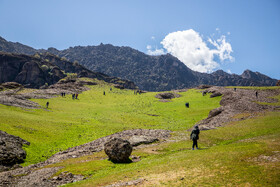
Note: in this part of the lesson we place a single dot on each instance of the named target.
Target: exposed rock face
(11, 151)
(28, 70)
(118, 150)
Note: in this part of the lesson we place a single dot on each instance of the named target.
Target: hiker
(103, 92)
(110, 89)
(47, 104)
(194, 136)
(77, 96)
(61, 94)
(73, 96)
(256, 94)
(235, 89)
(187, 105)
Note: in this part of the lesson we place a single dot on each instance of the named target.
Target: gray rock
(167, 95)
(11, 152)
(216, 94)
(118, 150)
(138, 140)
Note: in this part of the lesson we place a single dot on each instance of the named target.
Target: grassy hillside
(69, 123)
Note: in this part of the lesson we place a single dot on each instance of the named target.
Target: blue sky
(251, 28)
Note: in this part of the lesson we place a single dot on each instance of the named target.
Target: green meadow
(243, 153)
(69, 122)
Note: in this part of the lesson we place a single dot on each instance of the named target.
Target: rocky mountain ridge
(152, 73)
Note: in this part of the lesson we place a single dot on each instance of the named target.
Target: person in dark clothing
(47, 104)
(195, 136)
(187, 105)
(73, 96)
(77, 96)
(104, 93)
(256, 94)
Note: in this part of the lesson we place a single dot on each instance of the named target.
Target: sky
(232, 35)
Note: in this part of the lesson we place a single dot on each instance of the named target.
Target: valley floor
(244, 151)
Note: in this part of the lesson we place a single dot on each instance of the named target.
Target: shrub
(45, 67)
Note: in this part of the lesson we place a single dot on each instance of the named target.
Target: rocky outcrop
(118, 150)
(28, 71)
(11, 151)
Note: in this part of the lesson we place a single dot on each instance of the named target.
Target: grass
(228, 156)
(68, 123)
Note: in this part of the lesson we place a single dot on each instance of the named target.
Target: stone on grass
(118, 150)
(216, 94)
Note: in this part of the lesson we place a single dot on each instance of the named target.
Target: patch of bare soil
(262, 159)
(40, 175)
(237, 102)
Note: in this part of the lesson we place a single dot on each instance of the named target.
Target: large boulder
(118, 150)
(11, 151)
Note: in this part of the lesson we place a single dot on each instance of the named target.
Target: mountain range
(151, 73)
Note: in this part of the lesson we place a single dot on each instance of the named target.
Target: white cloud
(223, 48)
(229, 71)
(154, 52)
(228, 33)
(188, 46)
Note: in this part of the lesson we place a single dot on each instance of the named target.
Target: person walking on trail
(77, 96)
(73, 96)
(256, 94)
(47, 104)
(195, 136)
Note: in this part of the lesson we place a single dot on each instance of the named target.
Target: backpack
(194, 135)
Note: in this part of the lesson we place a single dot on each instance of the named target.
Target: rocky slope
(36, 71)
(151, 73)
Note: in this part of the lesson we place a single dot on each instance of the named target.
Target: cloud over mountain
(189, 47)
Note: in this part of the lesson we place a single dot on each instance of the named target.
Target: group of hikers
(75, 96)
